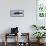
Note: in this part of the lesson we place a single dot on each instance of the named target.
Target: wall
(24, 23)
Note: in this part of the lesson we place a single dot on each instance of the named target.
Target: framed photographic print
(17, 13)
